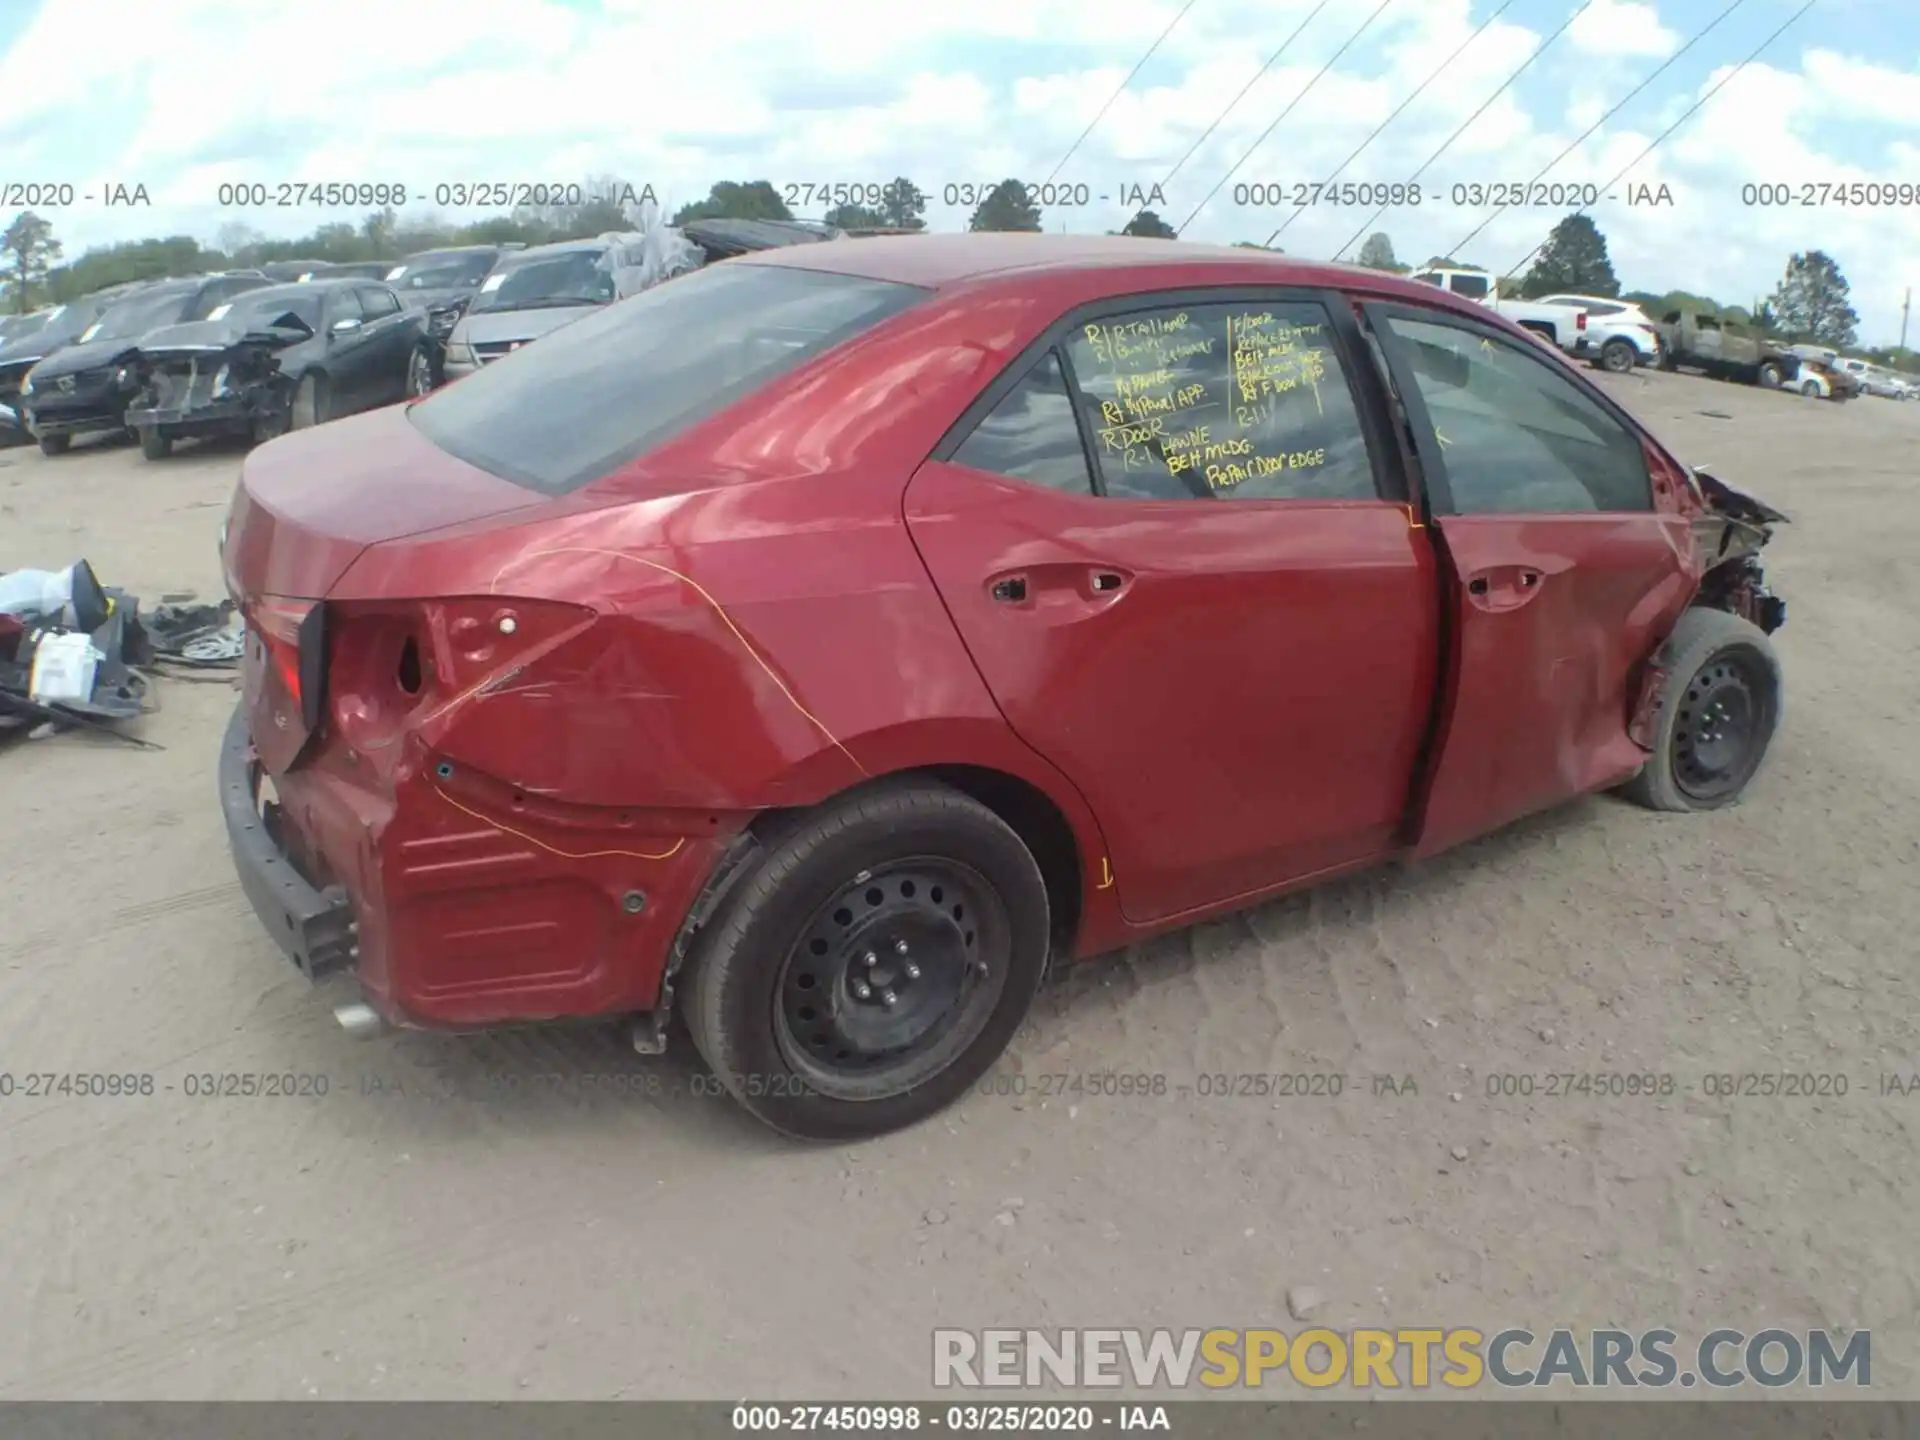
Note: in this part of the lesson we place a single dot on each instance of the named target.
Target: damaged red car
(820, 644)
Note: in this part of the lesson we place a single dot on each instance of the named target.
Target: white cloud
(1622, 27)
(681, 95)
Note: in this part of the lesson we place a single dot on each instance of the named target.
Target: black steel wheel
(873, 964)
(894, 976)
(1718, 715)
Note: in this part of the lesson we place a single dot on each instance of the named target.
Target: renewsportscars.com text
(1376, 1359)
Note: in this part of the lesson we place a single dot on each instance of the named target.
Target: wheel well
(1040, 825)
(1028, 812)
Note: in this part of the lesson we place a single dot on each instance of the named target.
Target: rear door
(389, 344)
(1174, 539)
(1568, 562)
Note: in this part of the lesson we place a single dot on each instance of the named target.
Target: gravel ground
(448, 1223)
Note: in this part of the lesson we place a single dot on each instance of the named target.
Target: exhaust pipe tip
(360, 1020)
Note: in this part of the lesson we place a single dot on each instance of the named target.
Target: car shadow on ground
(557, 1079)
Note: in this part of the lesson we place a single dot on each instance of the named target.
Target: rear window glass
(596, 393)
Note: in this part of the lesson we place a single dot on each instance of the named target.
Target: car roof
(443, 250)
(562, 247)
(291, 289)
(938, 261)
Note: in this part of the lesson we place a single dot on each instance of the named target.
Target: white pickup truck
(1556, 324)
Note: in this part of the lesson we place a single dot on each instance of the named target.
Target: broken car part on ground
(76, 655)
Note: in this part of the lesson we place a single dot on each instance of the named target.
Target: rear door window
(1240, 401)
(604, 389)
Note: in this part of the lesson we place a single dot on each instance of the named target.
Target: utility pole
(1905, 306)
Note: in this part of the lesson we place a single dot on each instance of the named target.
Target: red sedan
(825, 640)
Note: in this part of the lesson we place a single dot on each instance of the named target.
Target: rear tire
(55, 444)
(1717, 717)
(1770, 375)
(1617, 357)
(905, 890)
(155, 444)
(1810, 389)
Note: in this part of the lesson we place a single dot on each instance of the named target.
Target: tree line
(1811, 302)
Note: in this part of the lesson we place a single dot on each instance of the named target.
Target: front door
(1172, 540)
(1567, 566)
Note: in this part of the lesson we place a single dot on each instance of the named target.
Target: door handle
(1506, 588)
(1105, 582)
(1010, 591)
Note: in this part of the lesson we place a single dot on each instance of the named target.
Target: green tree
(1149, 225)
(855, 217)
(1377, 253)
(731, 200)
(1007, 207)
(1447, 262)
(1574, 258)
(903, 205)
(116, 264)
(1811, 301)
(27, 250)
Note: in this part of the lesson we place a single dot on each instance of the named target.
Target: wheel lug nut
(872, 959)
(863, 990)
(899, 947)
(887, 998)
(913, 971)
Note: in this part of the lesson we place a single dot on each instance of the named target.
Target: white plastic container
(63, 668)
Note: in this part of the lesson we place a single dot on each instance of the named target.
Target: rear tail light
(396, 664)
(1580, 321)
(293, 633)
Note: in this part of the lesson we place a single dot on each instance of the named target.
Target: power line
(1341, 168)
(1151, 50)
(1690, 112)
(1272, 60)
(1658, 71)
(1484, 105)
(1332, 60)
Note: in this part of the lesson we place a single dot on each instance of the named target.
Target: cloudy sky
(183, 96)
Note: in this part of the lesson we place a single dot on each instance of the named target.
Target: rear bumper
(446, 920)
(314, 928)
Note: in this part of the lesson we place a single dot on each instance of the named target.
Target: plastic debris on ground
(78, 655)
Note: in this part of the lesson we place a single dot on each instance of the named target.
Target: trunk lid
(307, 506)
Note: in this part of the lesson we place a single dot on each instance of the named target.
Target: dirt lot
(493, 1236)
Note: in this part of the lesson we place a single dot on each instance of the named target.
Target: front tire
(873, 966)
(1717, 717)
(155, 444)
(309, 403)
(1811, 390)
(55, 444)
(1770, 376)
(419, 373)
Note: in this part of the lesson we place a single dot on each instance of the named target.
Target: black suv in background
(26, 346)
(86, 386)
